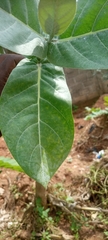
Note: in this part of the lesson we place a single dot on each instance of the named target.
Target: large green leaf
(85, 52)
(16, 34)
(36, 119)
(87, 45)
(90, 17)
(55, 16)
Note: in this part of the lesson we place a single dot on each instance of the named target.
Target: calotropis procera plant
(35, 107)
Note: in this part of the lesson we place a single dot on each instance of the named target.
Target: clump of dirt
(77, 193)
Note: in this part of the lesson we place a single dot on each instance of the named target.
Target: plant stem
(40, 192)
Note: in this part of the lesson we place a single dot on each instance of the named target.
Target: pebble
(1, 191)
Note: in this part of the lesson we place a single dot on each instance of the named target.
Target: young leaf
(36, 118)
(55, 16)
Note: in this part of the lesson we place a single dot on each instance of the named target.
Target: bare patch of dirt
(70, 181)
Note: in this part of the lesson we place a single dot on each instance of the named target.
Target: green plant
(76, 222)
(74, 107)
(97, 184)
(35, 106)
(106, 234)
(15, 191)
(75, 226)
(106, 100)
(59, 186)
(57, 217)
(59, 191)
(33, 235)
(45, 235)
(97, 112)
(43, 215)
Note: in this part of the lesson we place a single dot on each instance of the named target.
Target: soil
(69, 182)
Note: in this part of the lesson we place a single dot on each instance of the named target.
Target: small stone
(10, 224)
(1, 191)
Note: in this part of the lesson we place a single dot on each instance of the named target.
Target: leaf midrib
(79, 36)
(38, 101)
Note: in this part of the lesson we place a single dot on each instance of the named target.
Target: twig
(92, 209)
(98, 125)
(55, 236)
(67, 207)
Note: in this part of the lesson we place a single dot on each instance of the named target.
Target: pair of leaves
(55, 16)
(21, 19)
(84, 45)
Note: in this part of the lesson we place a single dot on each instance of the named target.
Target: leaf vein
(52, 130)
(101, 42)
(53, 107)
(98, 15)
